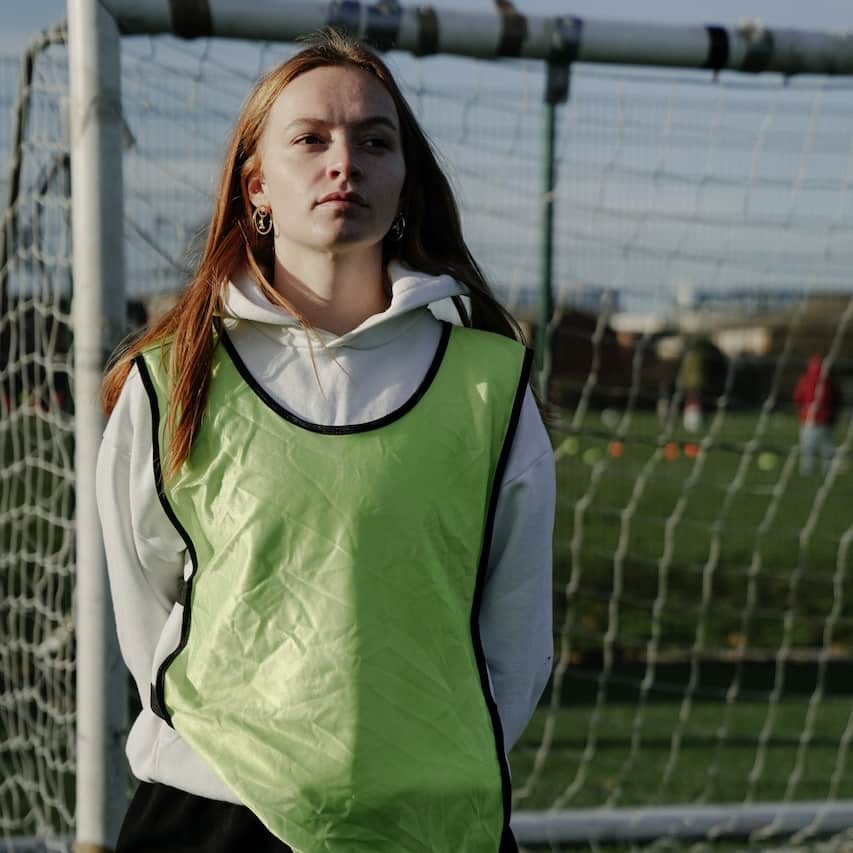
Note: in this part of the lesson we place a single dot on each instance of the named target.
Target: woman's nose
(343, 162)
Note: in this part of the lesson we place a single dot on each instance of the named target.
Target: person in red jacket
(817, 399)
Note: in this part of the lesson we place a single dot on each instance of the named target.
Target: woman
(327, 512)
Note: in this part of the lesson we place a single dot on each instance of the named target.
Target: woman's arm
(516, 612)
(145, 554)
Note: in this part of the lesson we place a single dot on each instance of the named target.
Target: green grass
(713, 759)
(708, 757)
(699, 538)
(694, 570)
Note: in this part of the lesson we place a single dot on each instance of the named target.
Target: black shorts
(165, 820)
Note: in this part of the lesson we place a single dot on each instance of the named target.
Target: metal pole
(426, 29)
(98, 314)
(556, 92)
(708, 821)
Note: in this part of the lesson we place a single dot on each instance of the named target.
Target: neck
(333, 291)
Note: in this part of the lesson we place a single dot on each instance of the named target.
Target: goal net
(37, 537)
(701, 256)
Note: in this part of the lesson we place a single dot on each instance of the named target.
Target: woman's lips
(346, 199)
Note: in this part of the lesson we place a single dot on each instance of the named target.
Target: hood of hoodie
(411, 292)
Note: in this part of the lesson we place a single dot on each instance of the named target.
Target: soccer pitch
(690, 771)
(666, 534)
(701, 620)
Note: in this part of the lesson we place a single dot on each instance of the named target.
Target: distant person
(692, 379)
(817, 399)
(664, 401)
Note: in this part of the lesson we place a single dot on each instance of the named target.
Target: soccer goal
(667, 210)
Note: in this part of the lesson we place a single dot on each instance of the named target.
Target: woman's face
(331, 162)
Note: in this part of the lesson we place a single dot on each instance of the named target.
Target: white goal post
(97, 206)
(98, 136)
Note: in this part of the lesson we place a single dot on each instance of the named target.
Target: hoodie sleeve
(145, 554)
(516, 612)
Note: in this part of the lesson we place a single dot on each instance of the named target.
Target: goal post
(575, 206)
(99, 321)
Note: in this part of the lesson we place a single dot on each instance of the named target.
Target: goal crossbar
(424, 29)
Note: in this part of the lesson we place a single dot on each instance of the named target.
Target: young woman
(327, 510)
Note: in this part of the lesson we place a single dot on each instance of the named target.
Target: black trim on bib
(347, 429)
(508, 843)
(461, 310)
(158, 699)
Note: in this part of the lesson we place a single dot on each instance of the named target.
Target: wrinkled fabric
(329, 674)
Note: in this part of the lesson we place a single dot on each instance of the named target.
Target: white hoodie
(363, 375)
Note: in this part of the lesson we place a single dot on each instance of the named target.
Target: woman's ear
(256, 189)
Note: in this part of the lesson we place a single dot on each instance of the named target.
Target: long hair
(432, 243)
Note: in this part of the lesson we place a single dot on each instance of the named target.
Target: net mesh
(702, 253)
(703, 630)
(37, 478)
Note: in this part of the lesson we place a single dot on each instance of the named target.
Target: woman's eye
(376, 142)
(308, 139)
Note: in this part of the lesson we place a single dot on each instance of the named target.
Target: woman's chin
(348, 237)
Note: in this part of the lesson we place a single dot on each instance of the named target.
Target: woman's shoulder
(156, 350)
(131, 410)
(489, 345)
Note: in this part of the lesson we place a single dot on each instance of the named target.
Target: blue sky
(22, 19)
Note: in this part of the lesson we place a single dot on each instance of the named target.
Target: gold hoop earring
(398, 228)
(263, 221)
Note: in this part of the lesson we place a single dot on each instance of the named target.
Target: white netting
(37, 480)
(703, 626)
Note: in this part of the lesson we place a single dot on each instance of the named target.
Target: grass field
(698, 767)
(697, 579)
(723, 548)
(699, 771)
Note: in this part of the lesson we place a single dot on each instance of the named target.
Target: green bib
(330, 668)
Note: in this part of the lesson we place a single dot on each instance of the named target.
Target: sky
(23, 19)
